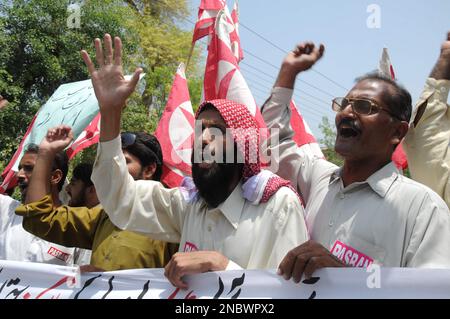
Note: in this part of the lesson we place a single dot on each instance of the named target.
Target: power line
(305, 110)
(284, 51)
(325, 103)
(295, 88)
(248, 52)
(315, 106)
(311, 111)
(303, 81)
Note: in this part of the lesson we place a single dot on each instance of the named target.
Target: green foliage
(328, 140)
(39, 52)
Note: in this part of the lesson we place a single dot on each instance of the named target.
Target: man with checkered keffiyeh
(229, 215)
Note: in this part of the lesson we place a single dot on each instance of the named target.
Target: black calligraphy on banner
(311, 281)
(237, 282)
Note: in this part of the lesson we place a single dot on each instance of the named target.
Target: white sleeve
(141, 206)
(289, 161)
(427, 144)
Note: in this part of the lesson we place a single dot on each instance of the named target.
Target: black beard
(213, 183)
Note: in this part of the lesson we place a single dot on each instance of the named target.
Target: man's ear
(400, 130)
(56, 177)
(148, 171)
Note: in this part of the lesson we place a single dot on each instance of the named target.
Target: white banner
(20, 280)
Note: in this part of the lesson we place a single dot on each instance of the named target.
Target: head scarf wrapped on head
(259, 185)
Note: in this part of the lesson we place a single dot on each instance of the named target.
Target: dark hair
(61, 162)
(399, 100)
(83, 172)
(148, 150)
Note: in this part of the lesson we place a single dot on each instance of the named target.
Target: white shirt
(253, 236)
(19, 245)
(388, 219)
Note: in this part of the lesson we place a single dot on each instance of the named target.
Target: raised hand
(441, 70)
(445, 48)
(302, 58)
(3, 102)
(57, 139)
(110, 86)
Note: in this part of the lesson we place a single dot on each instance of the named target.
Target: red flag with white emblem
(234, 37)
(303, 135)
(207, 13)
(223, 78)
(386, 69)
(175, 132)
(88, 137)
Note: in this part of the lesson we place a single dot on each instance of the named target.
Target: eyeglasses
(128, 139)
(360, 106)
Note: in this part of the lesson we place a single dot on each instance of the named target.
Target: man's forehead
(211, 116)
(368, 87)
(372, 89)
(28, 158)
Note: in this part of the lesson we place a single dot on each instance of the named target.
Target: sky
(413, 32)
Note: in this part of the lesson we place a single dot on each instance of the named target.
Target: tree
(39, 52)
(328, 140)
(163, 46)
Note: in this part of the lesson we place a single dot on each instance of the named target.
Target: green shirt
(91, 228)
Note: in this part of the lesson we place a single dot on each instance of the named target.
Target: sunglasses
(127, 139)
(360, 106)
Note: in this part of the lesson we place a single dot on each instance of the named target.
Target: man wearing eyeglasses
(84, 223)
(364, 212)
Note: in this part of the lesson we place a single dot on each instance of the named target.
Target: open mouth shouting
(348, 129)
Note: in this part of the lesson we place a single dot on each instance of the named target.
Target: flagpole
(189, 57)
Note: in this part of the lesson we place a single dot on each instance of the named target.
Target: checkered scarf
(259, 185)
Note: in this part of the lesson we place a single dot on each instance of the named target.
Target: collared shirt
(18, 244)
(427, 143)
(388, 219)
(90, 228)
(253, 236)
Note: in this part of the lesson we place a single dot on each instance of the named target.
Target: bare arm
(56, 140)
(3, 102)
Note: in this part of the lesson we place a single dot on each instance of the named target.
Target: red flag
(303, 136)
(9, 175)
(175, 132)
(386, 68)
(207, 13)
(88, 137)
(234, 36)
(223, 78)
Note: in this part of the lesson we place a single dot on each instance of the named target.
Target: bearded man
(231, 213)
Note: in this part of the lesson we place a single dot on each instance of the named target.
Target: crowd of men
(234, 213)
